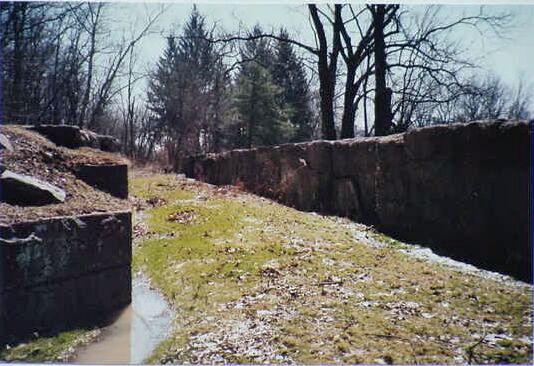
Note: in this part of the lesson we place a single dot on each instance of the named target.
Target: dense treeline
(59, 64)
(201, 103)
(373, 70)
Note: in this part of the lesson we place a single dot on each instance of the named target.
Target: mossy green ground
(252, 281)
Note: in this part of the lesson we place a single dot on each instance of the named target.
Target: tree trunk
(326, 92)
(349, 109)
(365, 117)
(382, 107)
(327, 73)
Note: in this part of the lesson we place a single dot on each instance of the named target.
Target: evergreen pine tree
(258, 50)
(288, 73)
(262, 116)
(188, 89)
(162, 88)
(261, 119)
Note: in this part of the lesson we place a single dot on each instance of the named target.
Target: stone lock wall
(64, 272)
(462, 190)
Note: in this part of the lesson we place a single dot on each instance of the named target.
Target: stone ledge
(49, 250)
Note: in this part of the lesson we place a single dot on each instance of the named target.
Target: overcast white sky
(511, 58)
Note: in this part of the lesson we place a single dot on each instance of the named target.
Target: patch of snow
(328, 261)
(362, 234)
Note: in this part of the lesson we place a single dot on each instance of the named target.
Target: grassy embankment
(254, 281)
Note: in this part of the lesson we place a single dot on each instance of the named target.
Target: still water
(135, 333)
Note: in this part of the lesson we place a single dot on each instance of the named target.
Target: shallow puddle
(135, 333)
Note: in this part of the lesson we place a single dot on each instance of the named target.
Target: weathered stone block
(57, 273)
(22, 190)
(356, 159)
(346, 201)
(226, 169)
(109, 143)
(89, 139)
(319, 156)
(54, 249)
(61, 135)
(73, 137)
(391, 183)
(246, 168)
(298, 184)
(112, 178)
(88, 300)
